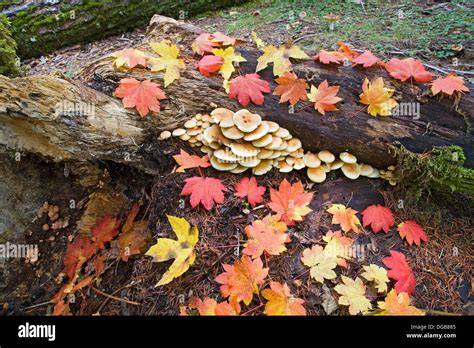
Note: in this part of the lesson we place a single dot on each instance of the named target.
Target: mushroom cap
(326, 156)
(192, 139)
(351, 170)
(298, 153)
(259, 132)
(206, 118)
(199, 137)
(263, 141)
(178, 132)
(336, 164)
(225, 155)
(221, 165)
(272, 126)
(193, 131)
(311, 160)
(365, 169)
(392, 182)
(185, 137)
(164, 135)
(284, 167)
(206, 149)
(263, 167)
(317, 175)
(214, 134)
(214, 145)
(326, 167)
(375, 174)
(283, 146)
(265, 153)
(346, 157)
(391, 167)
(276, 143)
(244, 150)
(198, 117)
(205, 125)
(275, 154)
(232, 133)
(298, 163)
(191, 123)
(239, 169)
(282, 132)
(246, 121)
(250, 162)
(222, 115)
(293, 145)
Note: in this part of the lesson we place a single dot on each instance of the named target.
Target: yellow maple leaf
(258, 41)
(230, 56)
(338, 246)
(167, 61)
(181, 250)
(346, 217)
(378, 275)
(281, 302)
(377, 97)
(353, 295)
(280, 57)
(398, 305)
(322, 264)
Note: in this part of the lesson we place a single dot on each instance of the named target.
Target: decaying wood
(30, 121)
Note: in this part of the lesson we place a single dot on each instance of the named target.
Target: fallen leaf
(346, 217)
(104, 230)
(187, 161)
(129, 58)
(321, 264)
(378, 217)
(181, 250)
(222, 39)
(324, 97)
(144, 95)
(248, 87)
(248, 187)
(290, 201)
(403, 69)
(259, 42)
(135, 235)
(230, 56)
(99, 265)
(398, 305)
(167, 61)
(280, 57)
(353, 295)
(338, 246)
(78, 252)
(263, 238)
(328, 57)
(241, 280)
(209, 306)
(281, 302)
(203, 44)
(400, 271)
(290, 88)
(412, 232)
(378, 275)
(346, 51)
(449, 84)
(377, 97)
(367, 59)
(204, 190)
(209, 64)
(329, 304)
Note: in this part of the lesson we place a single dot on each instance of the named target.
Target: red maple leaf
(327, 57)
(449, 84)
(400, 271)
(290, 88)
(367, 59)
(379, 217)
(187, 161)
(78, 252)
(204, 190)
(412, 232)
(222, 39)
(144, 95)
(248, 87)
(209, 64)
(104, 230)
(264, 238)
(290, 202)
(248, 187)
(403, 69)
(203, 44)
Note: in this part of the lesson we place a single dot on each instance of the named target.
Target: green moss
(442, 170)
(8, 57)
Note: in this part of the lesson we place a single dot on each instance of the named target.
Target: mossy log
(40, 27)
(29, 119)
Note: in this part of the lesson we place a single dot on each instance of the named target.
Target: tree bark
(30, 121)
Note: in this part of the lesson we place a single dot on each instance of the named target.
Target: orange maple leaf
(222, 39)
(241, 280)
(403, 69)
(377, 97)
(104, 230)
(346, 51)
(398, 304)
(263, 238)
(248, 187)
(346, 217)
(412, 232)
(400, 271)
(281, 302)
(99, 265)
(129, 57)
(209, 306)
(144, 95)
(248, 87)
(290, 202)
(449, 84)
(338, 246)
(204, 190)
(379, 217)
(290, 88)
(327, 57)
(324, 97)
(78, 252)
(367, 59)
(209, 64)
(187, 161)
(134, 236)
(204, 44)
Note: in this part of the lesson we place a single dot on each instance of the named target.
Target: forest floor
(442, 266)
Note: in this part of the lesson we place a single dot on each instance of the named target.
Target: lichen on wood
(8, 57)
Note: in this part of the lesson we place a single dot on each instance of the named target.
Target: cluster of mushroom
(238, 141)
(53, 215)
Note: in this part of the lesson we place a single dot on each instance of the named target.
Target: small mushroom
(193, 131)
(272, 126)
(293, 145)
(263, 167)
(275, 154)
(239, 169)
(298, 153)
(250, 162)
(244, 150)
(178, 132)
(298, 163)
(223, 117)
(365, 169)
(263, 141)
(326, 167)
(206, 149)
(226, 155)
(282, 133)
(375, 174)
(232, 133)
(164, 135)
(258, 133)
(351, 170)
(214, 134)
(317, 175)
(346, 157)
(336, 164)
(185, 137)
(311, 160)
(326, 156)
(246, 121)
(392, 168)
(283, 146)
(220, 165)
(275, 144)
(198, 117)
(191, 123)
(265, 153)
(284, 167)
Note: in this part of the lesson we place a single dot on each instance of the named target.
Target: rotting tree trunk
(30, 121)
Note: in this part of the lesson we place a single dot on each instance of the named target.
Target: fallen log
(29, 121)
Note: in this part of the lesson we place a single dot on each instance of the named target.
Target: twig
(37, 305)
(114, 297)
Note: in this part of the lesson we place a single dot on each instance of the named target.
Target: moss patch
(8, 57)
